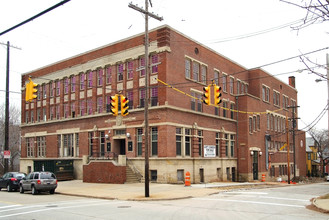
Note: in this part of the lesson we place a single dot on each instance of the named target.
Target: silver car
(39, 182)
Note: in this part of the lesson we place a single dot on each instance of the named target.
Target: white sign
(6, 154)
(209, 151)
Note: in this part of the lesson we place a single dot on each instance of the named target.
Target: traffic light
(30, 92)
(217, 94)
(206, 95)
(115, 105)
(124, 105)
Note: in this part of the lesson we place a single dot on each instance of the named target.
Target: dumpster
(63, 169)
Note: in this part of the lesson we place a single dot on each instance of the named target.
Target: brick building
(70, 118)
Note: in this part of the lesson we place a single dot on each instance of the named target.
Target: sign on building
(209, 151)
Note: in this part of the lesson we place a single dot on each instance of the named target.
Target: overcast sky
(252, 33)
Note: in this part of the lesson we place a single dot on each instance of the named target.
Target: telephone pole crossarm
(135, 7)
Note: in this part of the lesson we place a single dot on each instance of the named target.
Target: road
(268, 203)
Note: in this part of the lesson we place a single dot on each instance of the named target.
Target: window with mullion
(90, 79)
(196, 71)
(120, 72)
(73, 83)
(142, 66)
(142, 98)
(130, 69)
(154, 96)
(100, 104)
(139, 141)
(82, 81)
(100, 77)
(108, 75)
(154, 63)
(130, 96)
(154, 141)
(66, 85)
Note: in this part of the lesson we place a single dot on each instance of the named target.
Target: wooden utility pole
(147, 92)
(6, 147)
(288, 148)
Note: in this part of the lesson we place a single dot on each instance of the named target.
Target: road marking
(252, 202)
(8, 206)
(57, 208)
(237, 192)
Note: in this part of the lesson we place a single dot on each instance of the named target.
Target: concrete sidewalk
(136, 191)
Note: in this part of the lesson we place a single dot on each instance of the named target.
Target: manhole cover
(124, 206)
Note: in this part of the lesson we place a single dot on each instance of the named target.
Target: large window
(90, 79)
(266, 93)
(196, 71)
(73, 82)
(30, 147)
(89, 107)
(41, 143)
(188, 142)
(229, 144)
(231, 85)
(82, 107)
(142, 66)
(66, 85)
(224, 80)
(100, 77)
(58, 87)
(139, 141)
(130, 69)
(108, 75)
(100, 104)
(154, 96)
(196, 103)
(200, 142)
(120, 72)
(179, 144)
(142, 98)
(188, 68)
(203, 74)
(154, 141)
(82, 81)
(154, 63)
(68, 145)
(216, 77)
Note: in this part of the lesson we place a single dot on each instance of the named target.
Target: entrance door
(123, 147)
(201, 175)
(255, 165)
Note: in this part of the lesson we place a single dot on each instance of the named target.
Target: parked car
(39, 182)
(11, 180)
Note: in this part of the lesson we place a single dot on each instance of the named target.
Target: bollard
(263, 177)
(187, 179)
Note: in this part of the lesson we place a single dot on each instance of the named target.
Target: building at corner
(69, 125)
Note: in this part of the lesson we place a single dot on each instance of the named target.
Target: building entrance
(255, 165)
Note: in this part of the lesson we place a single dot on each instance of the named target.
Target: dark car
(39, 182)
(11, 180)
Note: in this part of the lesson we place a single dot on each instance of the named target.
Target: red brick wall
(104, 172)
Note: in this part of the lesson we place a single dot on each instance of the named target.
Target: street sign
(6, 154)
(209, 151)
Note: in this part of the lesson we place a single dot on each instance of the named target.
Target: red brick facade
(76, 123)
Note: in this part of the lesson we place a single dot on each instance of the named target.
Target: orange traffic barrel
(263, 177)
(187, 179)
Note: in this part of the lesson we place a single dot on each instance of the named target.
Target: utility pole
(293, 136)
(147, 92)
(6, 147)
(288, 148)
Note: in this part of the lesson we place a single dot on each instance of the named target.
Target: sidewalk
(157, 191)
(136, 191)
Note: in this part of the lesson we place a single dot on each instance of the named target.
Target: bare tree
(14, 132)
(321, 140)
(317, 11)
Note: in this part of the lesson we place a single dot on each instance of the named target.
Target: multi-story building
(237, 140)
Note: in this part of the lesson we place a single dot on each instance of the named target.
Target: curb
(314, 202)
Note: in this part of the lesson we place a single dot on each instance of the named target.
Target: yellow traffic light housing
(124, 106)
(217, 94)
(30, 92)
(115, 105)
(206, 95)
